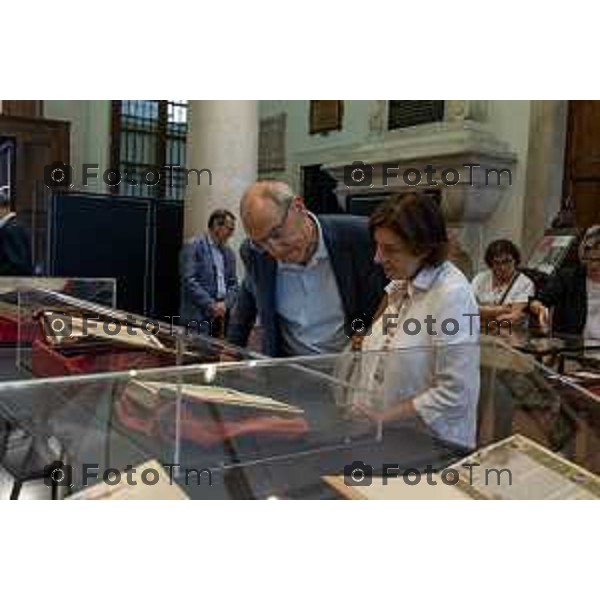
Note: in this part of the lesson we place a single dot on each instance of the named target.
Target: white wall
(302, 148)
(508, 120)
(90, 136)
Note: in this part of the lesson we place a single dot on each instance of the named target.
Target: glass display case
(71, 336)
(100, 291)
(282, 428)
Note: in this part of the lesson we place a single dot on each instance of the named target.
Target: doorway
(582, 161)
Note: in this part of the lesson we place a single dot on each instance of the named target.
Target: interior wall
(545, 172)
(508, 120)
(90, 137)
(534, 130)
(302, 148)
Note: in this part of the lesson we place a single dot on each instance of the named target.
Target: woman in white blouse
(501, 291)
(430, 311)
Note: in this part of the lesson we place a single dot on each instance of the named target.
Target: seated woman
(574, 293)
(430, 302)
(501, 291)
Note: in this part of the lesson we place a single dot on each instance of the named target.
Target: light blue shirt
(309, 306)
(219, 264)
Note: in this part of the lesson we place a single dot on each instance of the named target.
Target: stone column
(545, 169)
(223, 138)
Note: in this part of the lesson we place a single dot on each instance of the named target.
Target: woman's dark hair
(501, 248)
(418, 220)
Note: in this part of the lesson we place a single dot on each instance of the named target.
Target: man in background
(208, 277)
(15, 244)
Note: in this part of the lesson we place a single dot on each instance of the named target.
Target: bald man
(311, 280)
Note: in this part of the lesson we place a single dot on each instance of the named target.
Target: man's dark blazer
(15, 250)
(566, 292)
(199, 280)
(360, 282)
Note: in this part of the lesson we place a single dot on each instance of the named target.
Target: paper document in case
(132, 336)
(212, 394)
(536, 474)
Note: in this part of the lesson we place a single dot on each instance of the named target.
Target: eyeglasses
(503, 262)
(588, 260)
(277, 233)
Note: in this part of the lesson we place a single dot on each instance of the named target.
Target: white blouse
(486, 293)
(433, 354)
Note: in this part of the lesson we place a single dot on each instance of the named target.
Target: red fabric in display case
(47, 361)
(59, 348)
(9, 331)
(201, 421)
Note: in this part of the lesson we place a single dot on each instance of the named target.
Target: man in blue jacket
(208, 277)
(311, 280)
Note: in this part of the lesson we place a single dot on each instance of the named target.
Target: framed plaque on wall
(326, 115)
(271, 144)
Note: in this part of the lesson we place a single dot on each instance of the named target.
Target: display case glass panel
(101, 291)
(280, 428)
(77, 337)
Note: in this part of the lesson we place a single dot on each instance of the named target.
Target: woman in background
(501, 291)
(574, 293)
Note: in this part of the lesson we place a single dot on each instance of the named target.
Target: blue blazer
(199, 280)
(360, 282)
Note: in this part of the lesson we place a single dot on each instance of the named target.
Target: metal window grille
(406, 113)
(148, 144)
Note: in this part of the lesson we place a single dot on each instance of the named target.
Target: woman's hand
(541, 312)
(360, 410)
(491, 311)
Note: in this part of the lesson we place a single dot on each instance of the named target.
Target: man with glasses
(208, 277)
(311, 280)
